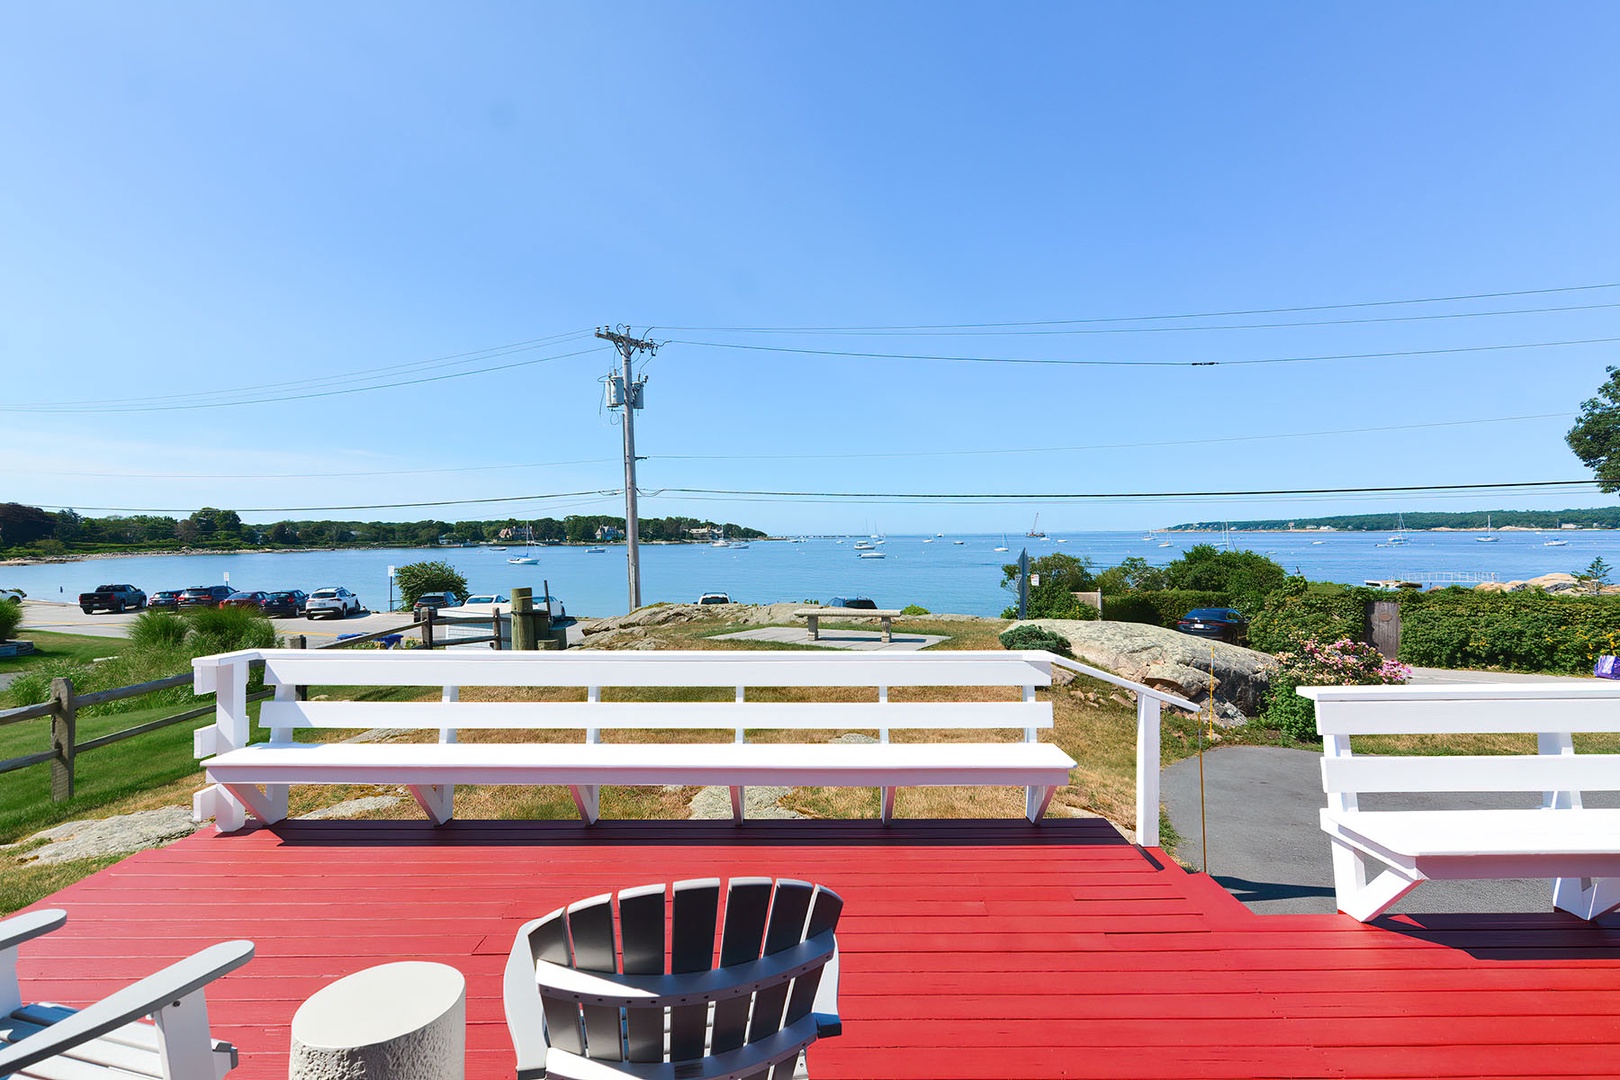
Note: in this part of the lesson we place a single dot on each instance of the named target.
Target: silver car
(333, 600)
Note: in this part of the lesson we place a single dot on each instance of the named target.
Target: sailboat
(525, 559)
(1003, 546)
(1035, 530)
(1490, 534)
(1400, 532)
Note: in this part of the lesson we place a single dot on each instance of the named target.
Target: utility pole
(624, 390)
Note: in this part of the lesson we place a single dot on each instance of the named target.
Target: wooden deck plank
(970, 949)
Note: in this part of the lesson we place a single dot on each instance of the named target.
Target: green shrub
(33, 686)
(1289, 619)
(11, 613)
(414, 579)
(1035, 637)
(1159, 608)
(1339, 663)
(1055, 609)
(1060, 576)
(158, 628)
(914, 609)
(227, 629)
(1246, 576)
(1522, 631)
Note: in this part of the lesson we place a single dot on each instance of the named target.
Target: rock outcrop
(1173, 661)
(1552, 583)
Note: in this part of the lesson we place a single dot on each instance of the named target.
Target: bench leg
(888, 805)
(888, 635)
(1355, 895)
(815, 627)
(215, 802)
(438, 801)
(1036, 800)
(737, 804)
(258, 803)
(588, 801)
(1586, 898)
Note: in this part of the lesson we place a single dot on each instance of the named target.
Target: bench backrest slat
(451, 669)
(678, 715)
(1453, 716)
(1508, 772)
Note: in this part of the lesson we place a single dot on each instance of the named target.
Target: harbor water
(936, 572)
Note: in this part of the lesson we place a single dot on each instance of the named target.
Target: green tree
(1060, 577)
(1595, 576)
(1135, 574)
(417, 578)
(1246, 576)
(1595, 438)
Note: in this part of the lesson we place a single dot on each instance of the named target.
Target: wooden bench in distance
(254, 778)
(1577, 847)
(816, 614)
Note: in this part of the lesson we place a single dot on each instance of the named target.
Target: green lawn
(48, 646)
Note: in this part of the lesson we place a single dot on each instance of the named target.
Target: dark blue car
(1215, 622)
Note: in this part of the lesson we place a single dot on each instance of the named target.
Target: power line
(1191, 329)
(1108, 446)
(316, 476)
(392, 369)
(298, 397)
(602, 493)
(1147, 363)
(1150, 318)
(1073, 496)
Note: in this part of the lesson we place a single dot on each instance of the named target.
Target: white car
(12, 594)
(335, 601)
(484, 604)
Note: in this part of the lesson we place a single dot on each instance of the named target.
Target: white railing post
(230, 706)
(1147, 770)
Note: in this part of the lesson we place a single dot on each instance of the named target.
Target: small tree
(1595, 438)
(1595, 576)
(1061, 576)
(417, 578)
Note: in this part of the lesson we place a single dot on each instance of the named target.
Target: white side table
(404, 1021)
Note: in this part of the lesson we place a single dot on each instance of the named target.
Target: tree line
(30, 530)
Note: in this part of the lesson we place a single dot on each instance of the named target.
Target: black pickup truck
(112, 598)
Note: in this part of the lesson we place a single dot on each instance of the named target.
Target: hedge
(1287, 621)
(1160, 607)
(1521, 631)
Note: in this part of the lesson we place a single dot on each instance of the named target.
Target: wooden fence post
(298, 641)
(64, 730)
(523, 619)
(427, 628)
(495, 629)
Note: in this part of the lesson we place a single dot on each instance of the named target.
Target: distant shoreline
(89, 556)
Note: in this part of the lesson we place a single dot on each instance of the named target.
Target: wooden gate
(1384, 627)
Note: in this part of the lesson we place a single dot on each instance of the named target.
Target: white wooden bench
(816, 614)
(254, 778)
(1576, 846)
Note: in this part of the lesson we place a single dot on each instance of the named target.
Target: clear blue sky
(201, 197)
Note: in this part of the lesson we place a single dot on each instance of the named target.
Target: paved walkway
(857, 640)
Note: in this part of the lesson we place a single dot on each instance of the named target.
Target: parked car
(483, 605)
(113, 598)
(12, 594)
(203, 596)
(254, 600)
(433, 601)
(714, 598)
(558, 612)
(164, 600)
(1215, 622)
(334, 600)
(864, 602)
(285, 603)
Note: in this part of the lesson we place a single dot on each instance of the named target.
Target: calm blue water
(940, 575)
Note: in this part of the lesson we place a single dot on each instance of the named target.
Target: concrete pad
(858, 640)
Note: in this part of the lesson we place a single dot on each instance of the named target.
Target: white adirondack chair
(111, 1039)
(577, 1012)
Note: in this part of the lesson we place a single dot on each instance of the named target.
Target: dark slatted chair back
(665, 983)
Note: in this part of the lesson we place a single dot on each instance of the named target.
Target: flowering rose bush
(1340, 663)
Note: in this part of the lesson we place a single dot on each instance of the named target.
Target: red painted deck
(971, 949)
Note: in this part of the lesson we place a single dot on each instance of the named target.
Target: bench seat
(431, 769)
(1422, 834)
